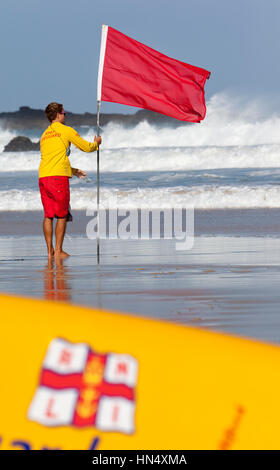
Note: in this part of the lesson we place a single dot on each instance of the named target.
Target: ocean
(229, 161)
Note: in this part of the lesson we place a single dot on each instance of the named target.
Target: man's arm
(81, 143)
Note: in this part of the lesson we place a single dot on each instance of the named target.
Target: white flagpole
(99, 96)
(98, 185)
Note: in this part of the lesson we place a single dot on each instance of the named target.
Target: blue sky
(50, 49)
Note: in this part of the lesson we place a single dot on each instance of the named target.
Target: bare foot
(61, 254)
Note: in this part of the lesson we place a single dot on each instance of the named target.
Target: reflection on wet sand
(229, 284)
(56, 287)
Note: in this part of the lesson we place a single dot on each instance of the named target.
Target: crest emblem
(80, 387)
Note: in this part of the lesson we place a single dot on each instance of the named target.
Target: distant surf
(230, 160)
(199, 197)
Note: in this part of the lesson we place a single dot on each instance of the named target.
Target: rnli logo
(80, 387)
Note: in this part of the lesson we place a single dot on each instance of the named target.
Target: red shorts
(55, 195)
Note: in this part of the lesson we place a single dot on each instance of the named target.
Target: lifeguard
(54, 173)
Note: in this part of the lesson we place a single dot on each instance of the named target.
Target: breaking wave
(202, 197)
(233, 135)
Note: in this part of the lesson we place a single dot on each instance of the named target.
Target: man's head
(55, 112)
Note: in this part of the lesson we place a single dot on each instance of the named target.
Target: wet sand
(232, 222)
(225, 283)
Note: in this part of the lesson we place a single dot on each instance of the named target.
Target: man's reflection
(56, 287)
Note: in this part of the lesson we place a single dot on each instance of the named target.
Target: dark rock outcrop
(21, 144)
(28, 118)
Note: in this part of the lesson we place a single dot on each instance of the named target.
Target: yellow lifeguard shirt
(53, 145)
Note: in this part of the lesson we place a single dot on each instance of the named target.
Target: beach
(227, 282)
(226, 170)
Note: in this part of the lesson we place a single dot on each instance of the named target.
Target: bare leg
(48, 232)
(59, 235)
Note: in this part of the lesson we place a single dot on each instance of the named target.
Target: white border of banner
(101, 60)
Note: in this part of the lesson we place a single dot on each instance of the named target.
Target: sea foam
(233, 135)
(202, 197)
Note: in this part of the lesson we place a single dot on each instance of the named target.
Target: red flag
(136, 75)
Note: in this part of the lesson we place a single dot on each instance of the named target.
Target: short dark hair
(52, 109)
